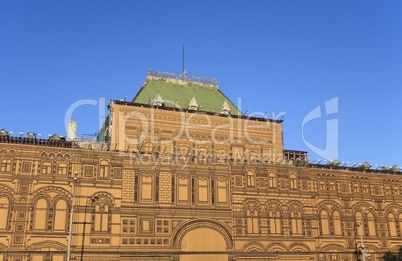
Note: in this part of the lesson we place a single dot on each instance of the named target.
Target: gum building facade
(179, 173)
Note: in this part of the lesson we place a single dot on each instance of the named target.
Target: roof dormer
(157, 101)
(193, 105)
(225, 109)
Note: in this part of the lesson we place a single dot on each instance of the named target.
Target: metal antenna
(183, 70)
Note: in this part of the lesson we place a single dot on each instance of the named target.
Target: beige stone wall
(141, 200)
(145, 129)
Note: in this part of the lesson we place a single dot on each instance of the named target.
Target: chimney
(72, 130)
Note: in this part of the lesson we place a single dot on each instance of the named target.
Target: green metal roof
(178, 93)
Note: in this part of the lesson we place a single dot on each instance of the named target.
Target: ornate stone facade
(188, 185)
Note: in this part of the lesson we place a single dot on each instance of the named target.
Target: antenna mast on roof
(184, 73)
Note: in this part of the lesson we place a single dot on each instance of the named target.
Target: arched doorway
(198, 239)
(202, 244)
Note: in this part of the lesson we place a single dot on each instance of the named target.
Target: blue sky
(277, 56)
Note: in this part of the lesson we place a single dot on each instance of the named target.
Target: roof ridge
(183, 82)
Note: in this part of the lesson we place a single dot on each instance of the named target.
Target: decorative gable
(157, 101)
(225, 109)
(193, 105)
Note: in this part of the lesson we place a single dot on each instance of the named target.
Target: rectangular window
(387, 191)
(21, 215)
(239, 181)
(62, 169)
(365, 189)
(17, 240)
(26, 167)
(19, 227)
(24, 188)
(88, 171)
(6, 165)
(261, 182)
(46, 168)
(146, 188)
(146, 226)
(117, 173)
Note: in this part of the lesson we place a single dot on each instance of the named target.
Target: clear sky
(276, 56)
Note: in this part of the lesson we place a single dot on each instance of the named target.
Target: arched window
(392, 225)
(275, 226)
(324, 217)
(252, 221)
(101, 217)
(104, 169)
(337, 223)
(250, 179)
(148, 147)
(371, 225)
(222, 154)
(4, 212)
(253, 156)
(183, 152)
(296, 222)
(360, 225)
(222, 191)
(237, 153)
(272, 180)
(203, 190)
(61, 216)
(293, 181)
(221, 151)
(183, 191)
(202, 151)
(40, 214)
(399, 221)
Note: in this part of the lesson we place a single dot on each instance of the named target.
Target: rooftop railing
(36, 142)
